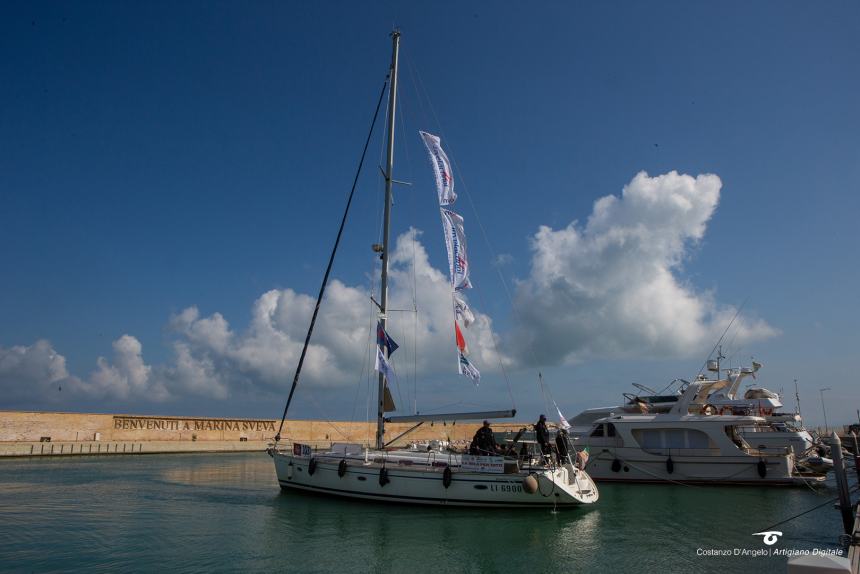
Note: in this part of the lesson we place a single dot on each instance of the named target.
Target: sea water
(226, 513)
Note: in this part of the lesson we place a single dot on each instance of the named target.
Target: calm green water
(225, 512)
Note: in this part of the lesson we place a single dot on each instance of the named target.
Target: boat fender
(670, 465)
(312, 467)
(383, 476)
(616, 465)
(762, 468)
(446, 477)
(341, 468)
(530, 484)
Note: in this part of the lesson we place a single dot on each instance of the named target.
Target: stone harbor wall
(33, 433)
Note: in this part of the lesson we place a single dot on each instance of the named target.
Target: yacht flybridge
(437, 476)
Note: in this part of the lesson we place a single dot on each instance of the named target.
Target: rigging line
(831, 501)
(475, 212)
(729, 326)
(480, 226)
(412, 199)
(309, 394)
(411, 67)
(504, 283)
(544, 392)
(413, 71)
(365, 365)
(496, 351)
(331, 262)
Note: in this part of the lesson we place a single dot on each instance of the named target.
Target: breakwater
(37, 433)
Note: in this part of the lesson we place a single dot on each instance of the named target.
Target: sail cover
(455, 239)
(441, 168)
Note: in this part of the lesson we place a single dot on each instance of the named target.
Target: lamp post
(823, 410)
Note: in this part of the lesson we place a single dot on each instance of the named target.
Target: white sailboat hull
(424, 484)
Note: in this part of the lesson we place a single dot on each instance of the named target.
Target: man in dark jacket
(484, 442)
(542, 435)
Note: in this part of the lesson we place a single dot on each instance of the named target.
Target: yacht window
(652, 439)
(675, 438)
(598, 431)
(697, 439)
(610, 429)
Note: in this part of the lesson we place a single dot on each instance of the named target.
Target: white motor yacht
(691, 443)
(781, 430)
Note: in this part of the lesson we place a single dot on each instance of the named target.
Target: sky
(636, 180)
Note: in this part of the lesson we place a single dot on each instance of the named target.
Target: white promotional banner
(467, 369)
(461, 308)
(562, 422)
(383, 366)
(488, 464)
(455, 240)
(441, 168)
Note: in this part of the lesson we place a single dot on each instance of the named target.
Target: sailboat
(513, 477)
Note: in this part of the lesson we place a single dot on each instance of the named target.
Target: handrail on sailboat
(473, 416)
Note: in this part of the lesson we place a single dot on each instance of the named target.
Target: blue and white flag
(382, 365)
(467, 369)
(455, 240)
(441, 169)
(384, 341)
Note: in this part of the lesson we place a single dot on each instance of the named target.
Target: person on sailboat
(542, 435)
(484, 442)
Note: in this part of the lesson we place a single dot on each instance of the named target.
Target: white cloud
(38, 373)
(31, 370)
(127, 376)
(610, 289)
(268, 351)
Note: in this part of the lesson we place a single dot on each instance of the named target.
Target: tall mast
(389, 167)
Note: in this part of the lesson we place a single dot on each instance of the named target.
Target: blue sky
(159, 157)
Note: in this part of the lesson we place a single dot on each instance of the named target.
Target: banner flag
(562, 422)
(382, 365)
(462, 310)
(455, 240)
(461, 342)
(467, 369)
(441, 168)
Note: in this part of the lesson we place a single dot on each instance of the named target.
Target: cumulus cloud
(31, 370)
(268, 351)
(39, 372)
(212, 359)
(127, 376)
(611, 288)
